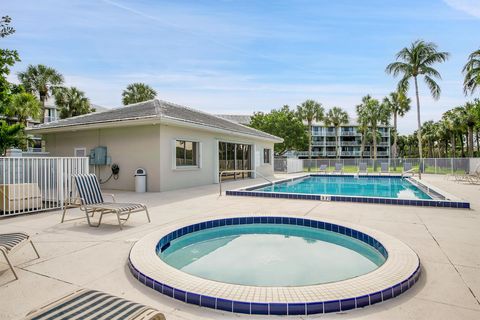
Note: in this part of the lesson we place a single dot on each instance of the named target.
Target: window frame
(80, 149)
(197, 145)
(269, 156)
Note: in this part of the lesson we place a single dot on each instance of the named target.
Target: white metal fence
(37, 183)
(429, 165)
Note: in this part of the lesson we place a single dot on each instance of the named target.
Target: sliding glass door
(234, 156)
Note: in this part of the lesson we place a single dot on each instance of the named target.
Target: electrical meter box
(98, 156)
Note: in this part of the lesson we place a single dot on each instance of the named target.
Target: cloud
(471, 7)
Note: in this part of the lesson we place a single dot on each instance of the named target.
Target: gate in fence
(34, 184)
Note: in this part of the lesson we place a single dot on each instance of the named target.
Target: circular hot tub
(274, 265)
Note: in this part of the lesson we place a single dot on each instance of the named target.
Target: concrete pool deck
(74, 255)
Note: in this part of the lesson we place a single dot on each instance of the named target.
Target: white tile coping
(401, 263)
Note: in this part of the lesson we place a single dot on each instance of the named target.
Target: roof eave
(97, 125)
(189, 124)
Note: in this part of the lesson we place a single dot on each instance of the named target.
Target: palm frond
(433, 86)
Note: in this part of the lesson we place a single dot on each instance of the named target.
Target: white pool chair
(362, 168)
(384, 168)
(11, 242)
(92, 202)
(338, 168)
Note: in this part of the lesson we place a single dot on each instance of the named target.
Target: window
(80, 152)
(266, 155)
(186, 153)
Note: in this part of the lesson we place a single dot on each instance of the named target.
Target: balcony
(330, 143)
(314, 153)
(350, 143)
(330, 133)
(349, 133)
(351, 153)
(331, 153)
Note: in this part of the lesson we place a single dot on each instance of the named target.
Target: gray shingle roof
(155, 109)
(238, 118)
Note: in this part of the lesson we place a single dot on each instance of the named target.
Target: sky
(242, 56)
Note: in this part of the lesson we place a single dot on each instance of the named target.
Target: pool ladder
(239, 171)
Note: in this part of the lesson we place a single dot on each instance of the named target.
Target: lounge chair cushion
(8, 241)
(91, 304)
(119, 207)
(89, 188)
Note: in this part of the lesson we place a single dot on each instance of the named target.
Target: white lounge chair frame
(92, 202)
(11, 242)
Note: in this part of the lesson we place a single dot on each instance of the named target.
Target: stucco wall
(129, 147)
(207, 173)
(151, 147)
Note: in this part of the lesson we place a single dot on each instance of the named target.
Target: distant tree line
(454, 135)
(26, 101)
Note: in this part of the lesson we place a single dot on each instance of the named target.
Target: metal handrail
(412, 171)
(239, 171)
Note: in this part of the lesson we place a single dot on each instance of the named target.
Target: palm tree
(336, 117)
(362, 122)
(138, 92)
(414, 62)
(24, 106)
(471, 70)
(469, 115)
(40, 80)
(310, 111)
(448, 120)
(10, 136)
(443, 136)
(399, 105)
(374, 113)
(71, 102)
(429, 134)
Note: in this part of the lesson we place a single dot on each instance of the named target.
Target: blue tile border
(275, 308)
(253, 192)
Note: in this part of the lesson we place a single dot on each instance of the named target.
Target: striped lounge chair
(11, 242)
(91, 202)
(90, 304)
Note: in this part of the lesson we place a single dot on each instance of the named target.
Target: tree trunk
(419, 131)
(463, 145)
(478, 143)
(470, 141)
(309, 140)
(395, 135)
(42, 100)
(374, 143)
(452, 137)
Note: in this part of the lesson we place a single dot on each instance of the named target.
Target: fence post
(435, 165)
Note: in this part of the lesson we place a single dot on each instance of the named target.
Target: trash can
(140, 180)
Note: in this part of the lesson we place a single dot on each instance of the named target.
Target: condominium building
(349, 142)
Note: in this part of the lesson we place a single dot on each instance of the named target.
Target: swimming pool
(381, 267)
(271, 255)
(395, 190)
(385, 187)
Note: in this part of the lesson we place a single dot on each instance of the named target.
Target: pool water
(384, 187)
(271, 255)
